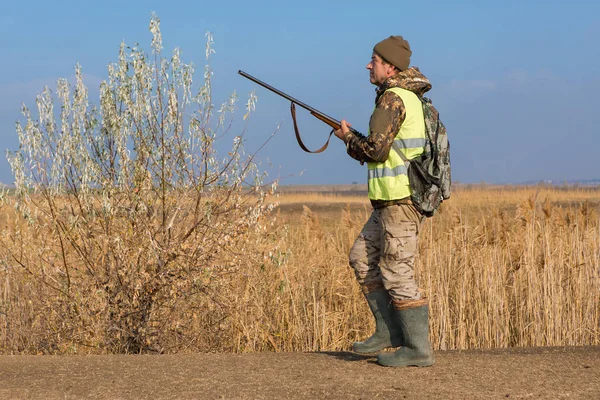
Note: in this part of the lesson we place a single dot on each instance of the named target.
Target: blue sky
(517, 83)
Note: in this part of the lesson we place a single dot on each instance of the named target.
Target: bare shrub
(125, 218)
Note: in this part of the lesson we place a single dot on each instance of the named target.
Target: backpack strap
(302, 146)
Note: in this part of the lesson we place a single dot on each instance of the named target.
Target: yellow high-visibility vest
(388, 180)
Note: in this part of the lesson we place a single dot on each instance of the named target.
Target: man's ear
(393, 70)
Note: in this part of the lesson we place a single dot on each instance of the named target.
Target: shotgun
(334, 123)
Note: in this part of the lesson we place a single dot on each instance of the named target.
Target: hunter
(383, 255)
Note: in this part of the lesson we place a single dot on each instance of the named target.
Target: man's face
(379, 71)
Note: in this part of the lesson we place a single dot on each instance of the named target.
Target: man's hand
(343, 132)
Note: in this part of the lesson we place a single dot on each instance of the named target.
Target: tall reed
(500, 269)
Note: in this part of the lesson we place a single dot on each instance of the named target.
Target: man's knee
(356, 258)
(361, 269)
(366, 273)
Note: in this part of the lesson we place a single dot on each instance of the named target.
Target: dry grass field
(501, 266)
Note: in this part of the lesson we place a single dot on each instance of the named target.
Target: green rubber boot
(416, 350)
(386, 334)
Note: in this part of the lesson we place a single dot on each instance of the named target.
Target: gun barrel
(290, 98)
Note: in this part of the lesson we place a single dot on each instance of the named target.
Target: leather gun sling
(302, 146)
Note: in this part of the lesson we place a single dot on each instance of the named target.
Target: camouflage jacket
(388, 116)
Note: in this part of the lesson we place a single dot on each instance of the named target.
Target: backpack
(429, 173)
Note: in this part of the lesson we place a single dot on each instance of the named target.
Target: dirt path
(548, 373)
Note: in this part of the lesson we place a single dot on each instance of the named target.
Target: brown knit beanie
(394, 50)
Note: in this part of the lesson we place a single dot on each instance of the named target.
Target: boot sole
(414, 364)
(369, 353)
(373, 352)
(407, 363)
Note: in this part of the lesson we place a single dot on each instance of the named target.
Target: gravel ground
(546, 373)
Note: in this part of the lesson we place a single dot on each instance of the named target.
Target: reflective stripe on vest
(388, 180)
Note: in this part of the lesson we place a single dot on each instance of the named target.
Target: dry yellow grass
(502, 266)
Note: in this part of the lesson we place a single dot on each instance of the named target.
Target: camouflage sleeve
(384, 125)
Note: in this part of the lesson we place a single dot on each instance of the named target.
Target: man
(383, 255)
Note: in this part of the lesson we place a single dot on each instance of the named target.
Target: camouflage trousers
(384, 252)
